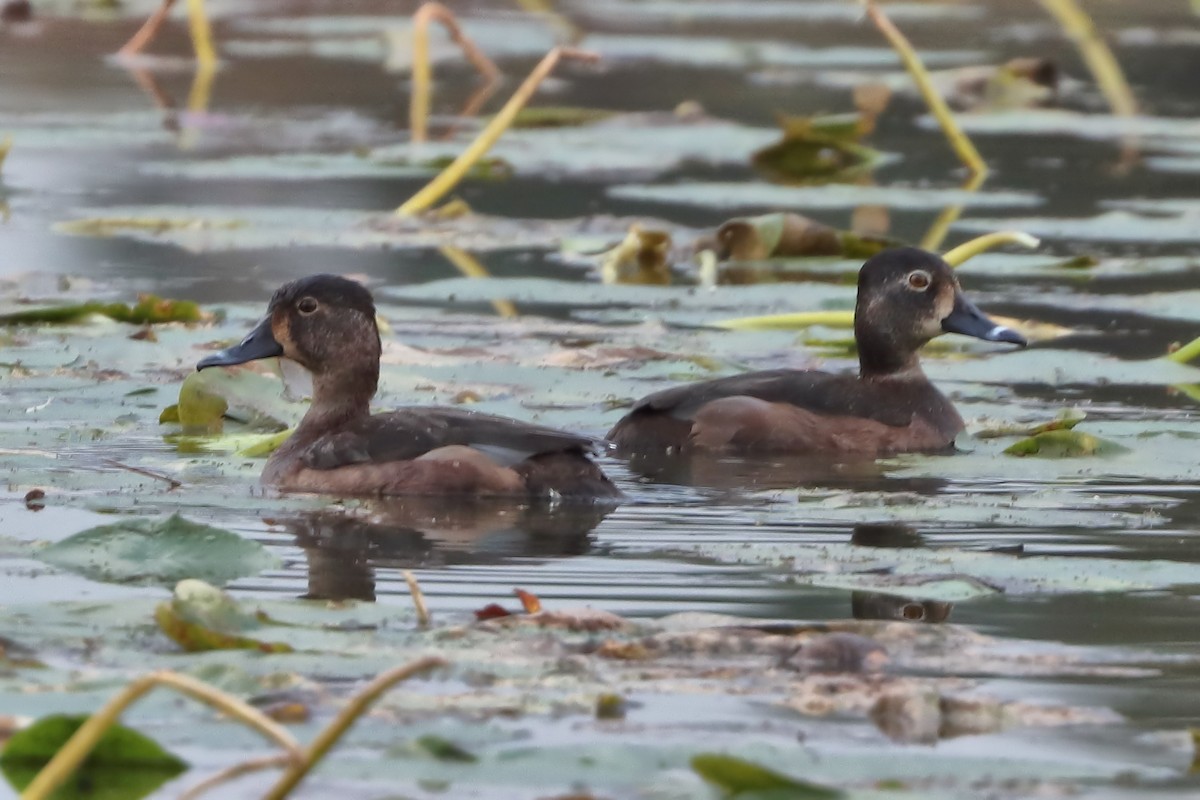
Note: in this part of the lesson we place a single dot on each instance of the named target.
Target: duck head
(325, 323)
(906, 297)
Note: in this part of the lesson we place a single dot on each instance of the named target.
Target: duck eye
(306, 306)
(919, 280)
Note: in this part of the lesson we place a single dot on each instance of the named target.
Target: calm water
(58, 92)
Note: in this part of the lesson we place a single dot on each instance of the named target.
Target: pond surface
(1072, 583)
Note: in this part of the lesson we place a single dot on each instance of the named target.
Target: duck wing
(833, 394)
(412, 432)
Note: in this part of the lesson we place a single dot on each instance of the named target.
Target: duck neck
(880, 356)
(338, 399)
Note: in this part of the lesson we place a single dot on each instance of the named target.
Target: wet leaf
(739, 778)
(1065, 420)
(492, 611)
(124, 765)
(1057, 443)
(815, 149)
(529, 601)
(163, 550)
(112, 226)
(206, 398)
(149, 310)
(200, 617)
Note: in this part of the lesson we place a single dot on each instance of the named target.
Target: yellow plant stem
(206, 54)
(569, 30)
(1096, 54)
(1185, 354)
(357, 706)
(845, 319)
(468, 265)
(148, 32)
(800, 319)
(937, 106)
(422, 68)
(77, 748)
(418, 598)
(941, 226)
(437, 188)
(980, 244)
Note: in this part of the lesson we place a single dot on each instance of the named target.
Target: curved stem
(422, 69)
(449, 177)
(77, 748)
(937, 106)
(357, 706)
(148, 32)
(981, 244)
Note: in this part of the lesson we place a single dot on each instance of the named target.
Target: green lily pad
(206, 398)
(124, 765)
(1063, 443)
(201, 617)
(163, 550)
(738, 778)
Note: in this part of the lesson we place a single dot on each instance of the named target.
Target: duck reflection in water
(881, 605)
(344, 550)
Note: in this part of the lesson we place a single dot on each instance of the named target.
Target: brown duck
(327, 324)
(906, 297)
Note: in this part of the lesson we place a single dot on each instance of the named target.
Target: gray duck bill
(259, 343)
(967, 319)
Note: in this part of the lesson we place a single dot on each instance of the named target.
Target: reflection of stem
(1096, 54)
(206, 54)
(149, 30)
(937, 105)
(358, 705)
(571, 32)
(77, 748)
(150, 85)
(198, 99)
(172, 484)
(1102, 64)
(468, 265)
(941, 226)
(450, 176)
(422, 69)
(234, 772)
(473, 105)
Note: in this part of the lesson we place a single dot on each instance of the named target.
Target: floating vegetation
(149, 310)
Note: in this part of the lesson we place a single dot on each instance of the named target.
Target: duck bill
(968, 320)
(259, 343)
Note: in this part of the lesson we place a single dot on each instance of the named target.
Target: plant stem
(1186, 353)
(468, 265)
(206, 54)
(148, 32)
(422, 69)
(77, 748)
(357, 706)
(418, 598)
(1096, 54)
(449, 178)
(980, 244)
(937, 106)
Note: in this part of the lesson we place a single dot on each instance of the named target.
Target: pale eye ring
(306, 305)
(919, 280)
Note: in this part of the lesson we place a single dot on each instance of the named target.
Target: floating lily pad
(1062, 443)
(124, 765)
(164, 550)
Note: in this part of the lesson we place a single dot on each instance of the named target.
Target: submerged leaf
(149, 310)
(1063, 444)
(559, 116)
(818, 148)
(445, 750)
(201, 617)
(124, 765)
(158, 551)
(737, 777)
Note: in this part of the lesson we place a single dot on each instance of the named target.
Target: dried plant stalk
(422, 69)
